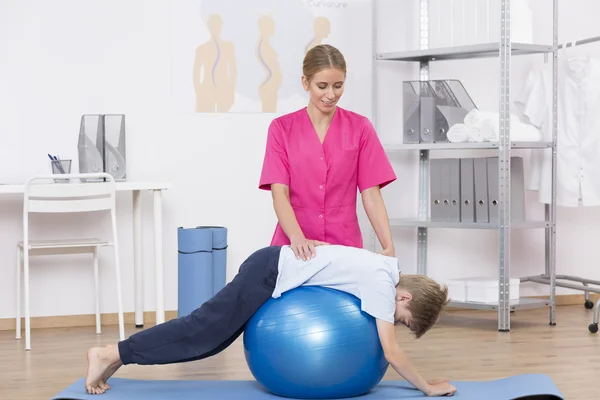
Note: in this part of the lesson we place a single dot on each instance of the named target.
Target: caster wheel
(589, 304)
(593, 328)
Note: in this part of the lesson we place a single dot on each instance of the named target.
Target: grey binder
(467, 191)
(493, 194)
(431, 107)
(436, 189)
(452, 188)
(517, 189)
(428, 112)
(411, 113)
(481, 190)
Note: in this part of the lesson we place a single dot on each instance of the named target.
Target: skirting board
(70, 321)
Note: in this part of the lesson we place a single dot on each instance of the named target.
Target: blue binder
(202, 258)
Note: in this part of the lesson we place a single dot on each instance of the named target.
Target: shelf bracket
(504, 233)
(423, 154)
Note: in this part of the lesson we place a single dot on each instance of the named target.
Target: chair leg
(97, 290)
(118, 276)
(26, 292)
(18, 293)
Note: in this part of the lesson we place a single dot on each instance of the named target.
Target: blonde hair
(322, 57)
(428, 300)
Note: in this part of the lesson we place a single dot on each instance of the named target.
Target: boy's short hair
(428, 300)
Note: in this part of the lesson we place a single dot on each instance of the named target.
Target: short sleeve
(378, 298)
(275, 167)
(374, 167)
(533, 98)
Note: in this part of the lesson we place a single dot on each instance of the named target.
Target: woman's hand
(304, 248)
(390, 252)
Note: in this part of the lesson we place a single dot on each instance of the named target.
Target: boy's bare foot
(110, 372)
(100, 361)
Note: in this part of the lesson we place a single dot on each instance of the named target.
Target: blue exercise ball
(314, 343)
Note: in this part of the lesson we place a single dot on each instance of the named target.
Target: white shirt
(369, 276)
(578, 131)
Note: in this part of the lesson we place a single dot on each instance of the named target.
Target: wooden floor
(464, 345)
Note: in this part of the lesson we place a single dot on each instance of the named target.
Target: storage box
(485, 290)
(457, 289)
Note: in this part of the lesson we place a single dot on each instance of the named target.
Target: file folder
(494, 195)
(517, 189)
(467, 191)
(411, 102)
(428, 111)
(431, 107)
(453, 189)
(481, 189)
(436, 189)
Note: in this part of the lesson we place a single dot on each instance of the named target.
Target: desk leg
(138, 272)
(158, 257)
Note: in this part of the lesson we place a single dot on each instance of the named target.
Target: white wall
(63, 58)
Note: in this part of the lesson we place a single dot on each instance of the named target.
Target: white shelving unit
(502, 50)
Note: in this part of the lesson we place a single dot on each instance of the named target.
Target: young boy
(412, 300)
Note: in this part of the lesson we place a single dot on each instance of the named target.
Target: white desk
(135, 187)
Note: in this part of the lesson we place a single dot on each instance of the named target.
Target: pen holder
(60, 167)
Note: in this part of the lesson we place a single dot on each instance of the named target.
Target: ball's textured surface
(314, 342)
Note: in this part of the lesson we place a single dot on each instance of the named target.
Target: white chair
(66, 198)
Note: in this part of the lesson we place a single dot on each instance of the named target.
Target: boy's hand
(398, 360)
(437, 380)
(441, 389)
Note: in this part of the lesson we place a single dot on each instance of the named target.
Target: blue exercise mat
(522, 387)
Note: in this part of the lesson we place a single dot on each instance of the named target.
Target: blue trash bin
(219, 248)
(202, 259)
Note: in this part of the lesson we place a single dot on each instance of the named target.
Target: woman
(315, 160)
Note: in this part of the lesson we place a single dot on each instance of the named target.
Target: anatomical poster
(232, 56)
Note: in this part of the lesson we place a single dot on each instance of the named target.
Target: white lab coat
(578, 134)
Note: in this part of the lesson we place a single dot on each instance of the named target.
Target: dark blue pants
(213, 326)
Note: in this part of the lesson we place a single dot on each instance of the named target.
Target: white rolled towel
(488, 123)
(474, 134)
(475, 116)
(458, 133)
(488, 131)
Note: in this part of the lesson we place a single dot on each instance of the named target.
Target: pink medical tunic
(323, 179)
